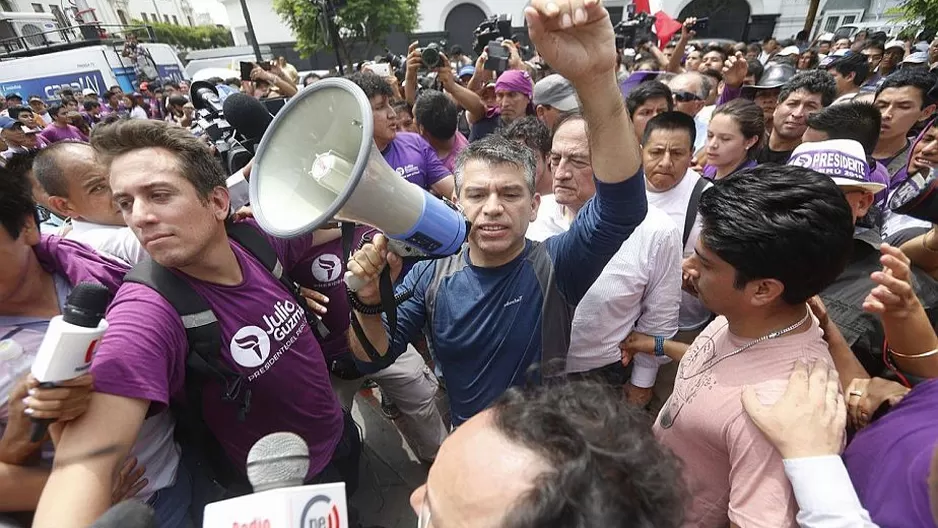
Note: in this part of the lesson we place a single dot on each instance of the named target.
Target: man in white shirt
(638, 289)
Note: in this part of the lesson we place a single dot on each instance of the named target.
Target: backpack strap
(691, 214)
(257, 245)
(203, 364)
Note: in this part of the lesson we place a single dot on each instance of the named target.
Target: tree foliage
(919, 14)
(190, 37)
(365, 22)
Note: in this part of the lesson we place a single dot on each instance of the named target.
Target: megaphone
(318, 162)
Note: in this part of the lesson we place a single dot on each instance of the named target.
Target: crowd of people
(684, 299)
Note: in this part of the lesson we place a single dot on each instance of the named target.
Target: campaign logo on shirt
(408, 171)
(326, 268)
(261, 346)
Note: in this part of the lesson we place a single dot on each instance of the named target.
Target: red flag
(641, 6)
(665, 27)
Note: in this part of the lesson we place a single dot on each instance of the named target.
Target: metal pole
(334, 33)
(251, 35)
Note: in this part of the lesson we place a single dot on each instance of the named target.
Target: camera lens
(430, 57)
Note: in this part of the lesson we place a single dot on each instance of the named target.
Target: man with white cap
(893, 54)
(554, 95)
(845, 162)
(917, 60)
(787, 53)
(824, 44)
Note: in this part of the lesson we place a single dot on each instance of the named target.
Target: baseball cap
(789, 51)
(467, 70)
(88, 91)
(841, 159)
(8, 123)
(515, 81)
(556, 91)
(919, 57)
(14, 95)
(894, 43)
(826, 37)
(832, 58)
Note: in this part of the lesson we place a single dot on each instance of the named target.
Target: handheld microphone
(248, 116)
(127, 514)
(277, 465)
(204, 96)
(70, 342)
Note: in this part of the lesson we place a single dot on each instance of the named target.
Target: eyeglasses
(686, 97)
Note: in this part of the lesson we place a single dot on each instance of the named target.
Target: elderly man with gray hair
(690, 92)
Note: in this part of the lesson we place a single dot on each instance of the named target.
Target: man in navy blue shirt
(505, 304)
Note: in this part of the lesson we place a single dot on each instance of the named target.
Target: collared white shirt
(638, 289)
(674, 203)
(825, 495)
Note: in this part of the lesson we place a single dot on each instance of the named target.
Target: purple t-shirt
(710, 171)
(323, 269)
(54, 134)
(415, 160)
(265, 338)
(459, 143)
(888, 461)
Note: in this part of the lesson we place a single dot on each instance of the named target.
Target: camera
(397, 62)
(635, 30)
(498, 56)
(432, 54)
(494, 27)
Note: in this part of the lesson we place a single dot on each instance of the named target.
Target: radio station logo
(320, 512)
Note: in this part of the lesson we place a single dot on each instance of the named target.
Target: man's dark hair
(402, 106)
(436, 113)
(916, 78)
(781, 222)
(754, 48)
(54, 110)
(671, 121)
(177, 100)
(719, 49)
(195, 161)
(875, 44)
(16, 195)
(811, 81)
(855, 63)
(531, 131)
(17, 110)
(755, 68)
(90, 105)
(372, 84)
(606, 465)
(645, 91)
(853, 120)
(713, 76)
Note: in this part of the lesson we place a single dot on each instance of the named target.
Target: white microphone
(71, 340)
(277, 465)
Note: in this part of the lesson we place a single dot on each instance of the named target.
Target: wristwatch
(659, 346)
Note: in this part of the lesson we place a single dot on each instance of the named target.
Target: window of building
(154, 17)
(166, 18)
(59, 15)
(5, 5)
(38, 8)
(122, 16)
(175, 20)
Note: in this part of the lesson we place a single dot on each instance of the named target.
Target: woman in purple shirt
(60, 130)
(733, 138)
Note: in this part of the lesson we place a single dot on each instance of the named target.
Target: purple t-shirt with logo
(415, 160)
(323, 269)
(54, 134)
(888, 461)
(265, 338)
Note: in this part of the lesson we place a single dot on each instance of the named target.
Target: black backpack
(204, 362)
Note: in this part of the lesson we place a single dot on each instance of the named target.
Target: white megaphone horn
(318, 162)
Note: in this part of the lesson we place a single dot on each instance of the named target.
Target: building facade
(110, 12)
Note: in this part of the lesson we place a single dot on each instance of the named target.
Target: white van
(97, 66)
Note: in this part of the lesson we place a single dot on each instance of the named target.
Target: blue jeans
(172, 504)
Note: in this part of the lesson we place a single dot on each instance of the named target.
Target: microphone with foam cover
(278, 460)
(247, 115)
(127, 514)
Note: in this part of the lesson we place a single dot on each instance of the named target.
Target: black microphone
(70, 341)
(127, 514)
(204, 96)
(248, 116)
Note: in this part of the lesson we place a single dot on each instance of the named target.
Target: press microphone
(204, 96)
(127, 514)
(277, 466)
(70, 342)
(248, 116)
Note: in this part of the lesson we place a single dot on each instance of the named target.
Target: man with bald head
(559, 455)
(689, 91)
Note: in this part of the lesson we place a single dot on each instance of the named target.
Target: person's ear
(751, 142)
(30, 233)
(864, 204)
(763, 292)
(220, 202)
(535, 205)
(61, 206)
(927, 112)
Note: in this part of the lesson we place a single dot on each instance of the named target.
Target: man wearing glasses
(688, 90)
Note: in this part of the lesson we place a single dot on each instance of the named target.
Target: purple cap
(515, 81)
(629, 83)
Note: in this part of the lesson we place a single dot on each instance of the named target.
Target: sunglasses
(686, 97)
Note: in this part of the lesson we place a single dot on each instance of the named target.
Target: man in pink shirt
(437, 116)
(772, 237)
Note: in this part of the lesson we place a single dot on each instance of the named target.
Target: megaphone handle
(353, 282)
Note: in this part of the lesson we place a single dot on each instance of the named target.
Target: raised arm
(674, 64)
(578, 41)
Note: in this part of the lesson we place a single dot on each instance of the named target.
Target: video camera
(635, 30)
(492, 28)
(398, 62)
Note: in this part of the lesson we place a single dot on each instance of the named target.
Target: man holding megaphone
(503, 304)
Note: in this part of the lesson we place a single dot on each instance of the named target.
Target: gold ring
(856, 393)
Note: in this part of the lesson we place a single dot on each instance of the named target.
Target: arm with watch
(658, 346)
